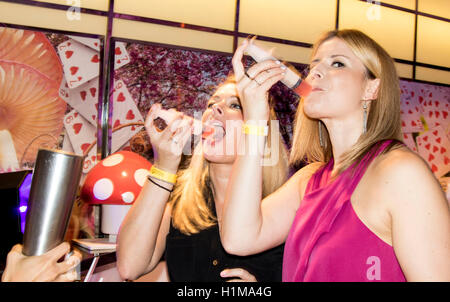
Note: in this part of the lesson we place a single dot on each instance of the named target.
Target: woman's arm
(420, 216)
(142, 235)
(251, 226)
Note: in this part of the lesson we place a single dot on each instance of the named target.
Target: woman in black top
(182, 224)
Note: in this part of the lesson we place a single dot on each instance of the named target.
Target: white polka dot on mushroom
(113, 160)
(128, 197)
(103, 188)
(140, 176)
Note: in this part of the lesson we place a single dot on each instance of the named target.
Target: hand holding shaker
(292, 79)
(55, 182)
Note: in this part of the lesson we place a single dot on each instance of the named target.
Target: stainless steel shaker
(53, 189)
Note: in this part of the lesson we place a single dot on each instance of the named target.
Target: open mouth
(213, 131)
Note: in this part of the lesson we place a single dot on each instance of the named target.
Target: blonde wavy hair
(192, 199)
(383, 121)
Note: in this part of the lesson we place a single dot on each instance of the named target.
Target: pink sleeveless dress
(328, 242)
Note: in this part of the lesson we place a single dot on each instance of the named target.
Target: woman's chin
(215, 152)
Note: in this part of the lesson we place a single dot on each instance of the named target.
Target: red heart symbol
(436, 103)
(116, 124)
(130, 115)
(94, 158)
(425, 138)
(93, 90)
(444, 114)
(73, 70)
(431, 157)
(84, 147)
(435, 149)
(117, 51)
(95, 59)
(77, 127)
(133, 128)
(121, 97)
(427, 146)
(407, 103)
(446, 160)
(83, 95)
(430, 103)
(420, 99)
(75, 114)
(96, 106)
(95, 44)
(69, 53)
(437, 113)
(435, 132)
(118, 61)
(431, 94)
(79, 78)
(403, 124)
(434, 168)
(412, 93)
(430, 114)
(410, 112)
(443, 150)
(413, 123)
(93, 117)
(405, 136)
(438, 140)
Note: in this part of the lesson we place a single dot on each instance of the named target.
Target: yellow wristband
(255, 130)
(163, 175)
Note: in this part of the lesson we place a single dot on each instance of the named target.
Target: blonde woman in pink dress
(365, 208)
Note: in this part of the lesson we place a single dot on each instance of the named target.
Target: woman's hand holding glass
(253, 85)
(168, 143)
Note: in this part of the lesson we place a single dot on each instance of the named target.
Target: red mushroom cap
(117, 179)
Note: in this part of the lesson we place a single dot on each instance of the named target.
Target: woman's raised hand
(253, 85)
(168, 143)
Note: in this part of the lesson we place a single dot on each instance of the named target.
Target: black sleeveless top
(201, 257)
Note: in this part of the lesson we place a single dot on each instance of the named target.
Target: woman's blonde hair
(193, 200)
(383, 120)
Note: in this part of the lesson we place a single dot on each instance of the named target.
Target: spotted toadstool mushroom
(115, 183)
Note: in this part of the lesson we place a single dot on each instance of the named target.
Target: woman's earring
(320, 135)
(365, 117)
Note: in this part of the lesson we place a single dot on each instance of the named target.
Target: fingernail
(223, 274)
(283, 67)
(277, 62)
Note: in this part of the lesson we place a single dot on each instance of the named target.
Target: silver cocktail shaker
(53, 188)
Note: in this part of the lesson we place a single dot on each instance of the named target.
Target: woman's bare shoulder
(398, 161)
(402, 175)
